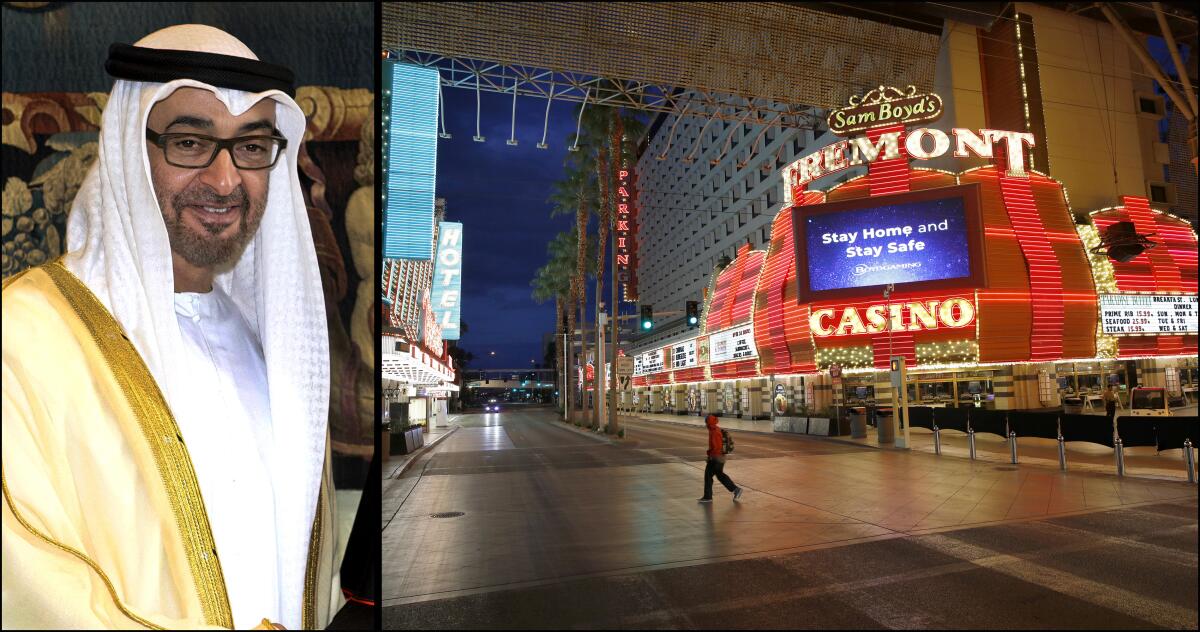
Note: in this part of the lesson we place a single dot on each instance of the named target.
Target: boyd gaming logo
(860, 269)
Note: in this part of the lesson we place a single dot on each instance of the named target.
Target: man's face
(211, 213)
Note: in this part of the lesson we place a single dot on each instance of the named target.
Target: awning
(407, 363)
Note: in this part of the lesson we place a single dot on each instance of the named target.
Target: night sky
(499, 193)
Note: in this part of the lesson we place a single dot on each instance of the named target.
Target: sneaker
(737, 493)
(705, 500)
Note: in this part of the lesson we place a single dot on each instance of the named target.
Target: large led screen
(927, 238)
(410, 95)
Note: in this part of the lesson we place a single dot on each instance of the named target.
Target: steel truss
(572, 87)
(761, 63)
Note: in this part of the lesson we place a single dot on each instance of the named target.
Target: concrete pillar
(708, 398)
(754, 398)
(1152, 372)
(1003, 386)
(656, 400)
(883, 389)
(1024, 391)
(822, 392)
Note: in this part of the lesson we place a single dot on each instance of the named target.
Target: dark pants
(1110, 409)
(717, 468)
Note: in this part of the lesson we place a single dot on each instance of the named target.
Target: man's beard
(206, 250)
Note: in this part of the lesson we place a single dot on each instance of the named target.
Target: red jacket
(714, 437)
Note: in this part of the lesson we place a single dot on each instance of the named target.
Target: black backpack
(726, 442)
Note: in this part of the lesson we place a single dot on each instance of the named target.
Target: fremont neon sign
(922, 315)
(861, 150)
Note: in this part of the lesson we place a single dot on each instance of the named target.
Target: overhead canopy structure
(409, 364)
(760, 63)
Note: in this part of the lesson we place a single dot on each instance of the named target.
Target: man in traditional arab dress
(166, 382)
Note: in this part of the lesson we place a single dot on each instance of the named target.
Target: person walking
(715, 465)
(1110, 404)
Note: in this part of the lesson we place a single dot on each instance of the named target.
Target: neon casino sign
(886, 107)
(922, 315)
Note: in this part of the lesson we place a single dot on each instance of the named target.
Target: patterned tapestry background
(55, 88)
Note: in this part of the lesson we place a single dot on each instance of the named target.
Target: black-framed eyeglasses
(197, 151)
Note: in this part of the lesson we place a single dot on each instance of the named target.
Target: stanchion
(937, 440)
(1120, 457)
(1062, 454)
(971, 442)
(1012, 445)
(1190, 459)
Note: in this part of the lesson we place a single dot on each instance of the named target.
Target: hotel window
(765, 235)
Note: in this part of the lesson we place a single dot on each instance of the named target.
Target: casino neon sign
(861, 150)
(952, 313)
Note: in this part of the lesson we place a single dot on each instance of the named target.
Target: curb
(599, 436)
(701, 426)
(421, 452)
(834, 439)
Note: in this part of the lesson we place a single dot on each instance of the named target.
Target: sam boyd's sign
(883, 106)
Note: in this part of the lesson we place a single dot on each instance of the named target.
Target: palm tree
(554, 281)
(609, 141)
(575, 193)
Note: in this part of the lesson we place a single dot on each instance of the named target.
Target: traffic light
(693, 314)
(647, 317)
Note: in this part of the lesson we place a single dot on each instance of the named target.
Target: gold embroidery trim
(112, 591)
(162, 437)
(314, 557)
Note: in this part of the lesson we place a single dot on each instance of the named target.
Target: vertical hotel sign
(447, 279)
(410, 108)
(626, 233)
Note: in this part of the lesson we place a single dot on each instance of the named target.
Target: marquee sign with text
(626, 233)
(649, 362)
(683, 355)
(1134, 314)
(733, 344)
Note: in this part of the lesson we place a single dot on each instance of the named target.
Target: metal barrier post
(971, 442)
(1012, 445)
(1120, 457)
(1062, 454)
(1190, 459)
(937, 440)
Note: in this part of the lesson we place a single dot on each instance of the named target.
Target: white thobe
(229, 436)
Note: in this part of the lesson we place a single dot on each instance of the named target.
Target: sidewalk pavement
(395, 464)
(1081, 456)
(543, 513)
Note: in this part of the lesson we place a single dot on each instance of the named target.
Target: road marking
(1021, 566)
(972, 557)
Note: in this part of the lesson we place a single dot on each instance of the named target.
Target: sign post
(835, 372)
(899, 376)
